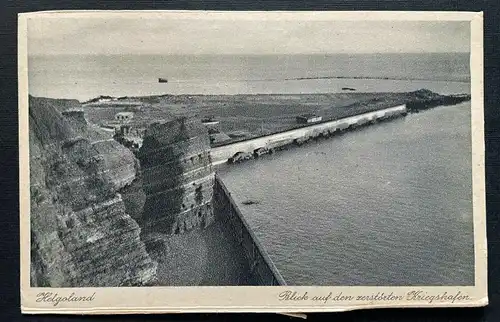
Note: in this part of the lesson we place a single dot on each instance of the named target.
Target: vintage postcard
(203, 161)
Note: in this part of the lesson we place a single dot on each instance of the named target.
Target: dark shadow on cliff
(76, 213)
(163, 194)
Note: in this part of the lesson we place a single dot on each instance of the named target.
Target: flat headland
(232, 118)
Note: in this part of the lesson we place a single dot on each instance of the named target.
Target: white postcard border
(126, 300)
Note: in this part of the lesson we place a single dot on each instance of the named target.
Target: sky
(49, 35)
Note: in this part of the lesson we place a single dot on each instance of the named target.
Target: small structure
(217, 136)
(260, 151)
(238, 134)
(210, 120)
(124, 130)
(129, 136)
(108, 128)
(308, 118)
(124, 116)
(240, 157)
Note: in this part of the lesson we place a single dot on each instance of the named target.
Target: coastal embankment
(262, 269)
(267, 144)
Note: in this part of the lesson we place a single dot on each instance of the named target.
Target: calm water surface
(83, 77)
(389, 204)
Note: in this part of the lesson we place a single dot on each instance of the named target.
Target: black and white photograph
(193, 150)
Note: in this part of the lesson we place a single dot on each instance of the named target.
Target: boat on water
(162, 80)
(250, 202)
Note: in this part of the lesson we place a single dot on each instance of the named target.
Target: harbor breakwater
(247, 149)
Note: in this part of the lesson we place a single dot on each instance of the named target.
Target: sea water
(389, 204)
(85, 76)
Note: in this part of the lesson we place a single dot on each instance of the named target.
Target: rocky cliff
(102, 215)
(177, 177)
(81, 233)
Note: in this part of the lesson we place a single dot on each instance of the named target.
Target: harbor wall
(223, 153)
(262, 269)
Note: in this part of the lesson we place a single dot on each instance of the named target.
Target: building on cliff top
(124, 116)
(308, 118)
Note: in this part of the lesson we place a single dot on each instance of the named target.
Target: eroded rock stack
(81, 234)
(177, 177)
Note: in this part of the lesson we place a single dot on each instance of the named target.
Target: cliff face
(104, 216)
(177, 177)
(81, 234)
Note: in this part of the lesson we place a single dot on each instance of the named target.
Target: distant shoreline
(126, 99)
(381, 78)
(331, 77)
(346, 88)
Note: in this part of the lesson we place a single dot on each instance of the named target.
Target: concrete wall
(222, 153)
(262, 269)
